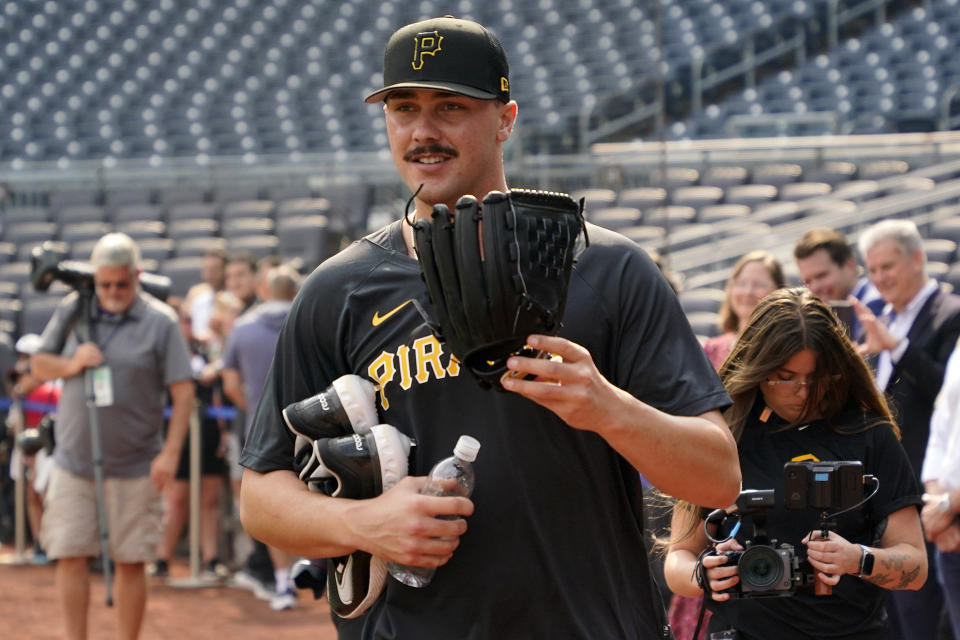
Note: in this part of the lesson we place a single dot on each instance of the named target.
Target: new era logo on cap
(446, 54)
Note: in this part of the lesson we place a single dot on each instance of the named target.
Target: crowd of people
(852, 370)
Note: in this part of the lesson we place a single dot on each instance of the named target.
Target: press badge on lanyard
(102, 386)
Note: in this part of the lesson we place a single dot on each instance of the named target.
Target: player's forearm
(278, 509)
(692, 458)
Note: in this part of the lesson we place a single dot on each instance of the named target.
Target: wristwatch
(866, 562)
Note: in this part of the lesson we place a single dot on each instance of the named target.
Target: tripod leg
(97, 449)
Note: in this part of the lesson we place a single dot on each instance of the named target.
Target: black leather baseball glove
(497, 272)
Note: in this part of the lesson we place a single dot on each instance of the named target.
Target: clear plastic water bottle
(457, 468)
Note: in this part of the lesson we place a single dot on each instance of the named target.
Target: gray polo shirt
(146, 352)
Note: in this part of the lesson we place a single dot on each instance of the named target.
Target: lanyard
(112, 335)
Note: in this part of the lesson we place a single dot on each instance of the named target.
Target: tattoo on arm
(907, 577)
(880, 580)
(894, 561)
(894, 572)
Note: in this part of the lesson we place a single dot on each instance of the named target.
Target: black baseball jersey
(855, 608)
(554, 547)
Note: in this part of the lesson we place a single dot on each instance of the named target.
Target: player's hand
(402, 525)
(721, 574)
(87, 355)
(571, 387)
(833, 556)
(163, 468)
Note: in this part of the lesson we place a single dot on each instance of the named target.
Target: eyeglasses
(796, 385)
(120, 285)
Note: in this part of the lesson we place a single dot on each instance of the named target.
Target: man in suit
(913, 338)
(828, 268)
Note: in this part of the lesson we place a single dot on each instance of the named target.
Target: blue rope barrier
(217, 413)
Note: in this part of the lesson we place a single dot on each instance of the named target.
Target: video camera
(766, 569)
(769, 569)
(46, 266)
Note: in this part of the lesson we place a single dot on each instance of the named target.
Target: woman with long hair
(801, 392)
(754, 275)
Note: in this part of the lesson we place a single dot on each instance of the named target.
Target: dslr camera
(766, 569)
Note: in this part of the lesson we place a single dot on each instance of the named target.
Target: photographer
(35, 441)
(801, 392)
(133, 346)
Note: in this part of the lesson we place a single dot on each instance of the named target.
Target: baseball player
(550, 544)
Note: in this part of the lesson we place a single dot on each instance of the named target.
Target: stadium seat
(8, 252)
(184, 272)
(724, 176)
(697, 197)
(877, 169)
(751, 195)
(192, 228)
(236, 193)
(260, 246)
(197, 247)
(777, 174)
(721, 212)
(615, 218)
(704, 323)
(193, 210)
(649, 237)
(29, 232)
(17, 214)
(128, 213)
(595, 199)
(247, 209)
(833, 172)
(36, 313)
(307, 239)
(157, 249)
(671, 216)
(16, 272)
(79, 231)
(796, 191)
(699, 300)
(948, 229)
(141, 230)
(296, 207)
(237, 227)
(10, 312)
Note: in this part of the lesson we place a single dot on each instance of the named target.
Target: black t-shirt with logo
(554, 548)
(855, 608)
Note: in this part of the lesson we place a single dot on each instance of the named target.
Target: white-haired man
(913, 339)
(133, 345)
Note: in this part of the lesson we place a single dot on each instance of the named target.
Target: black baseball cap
(447, 54)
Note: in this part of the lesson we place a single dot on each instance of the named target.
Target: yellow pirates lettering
(382, 371)
(418, 363)
(426, 43)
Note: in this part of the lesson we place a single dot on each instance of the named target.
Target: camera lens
(760, 568)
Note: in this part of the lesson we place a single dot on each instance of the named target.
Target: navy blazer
(916, 379)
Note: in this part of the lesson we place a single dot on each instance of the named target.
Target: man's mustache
(429, 150)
